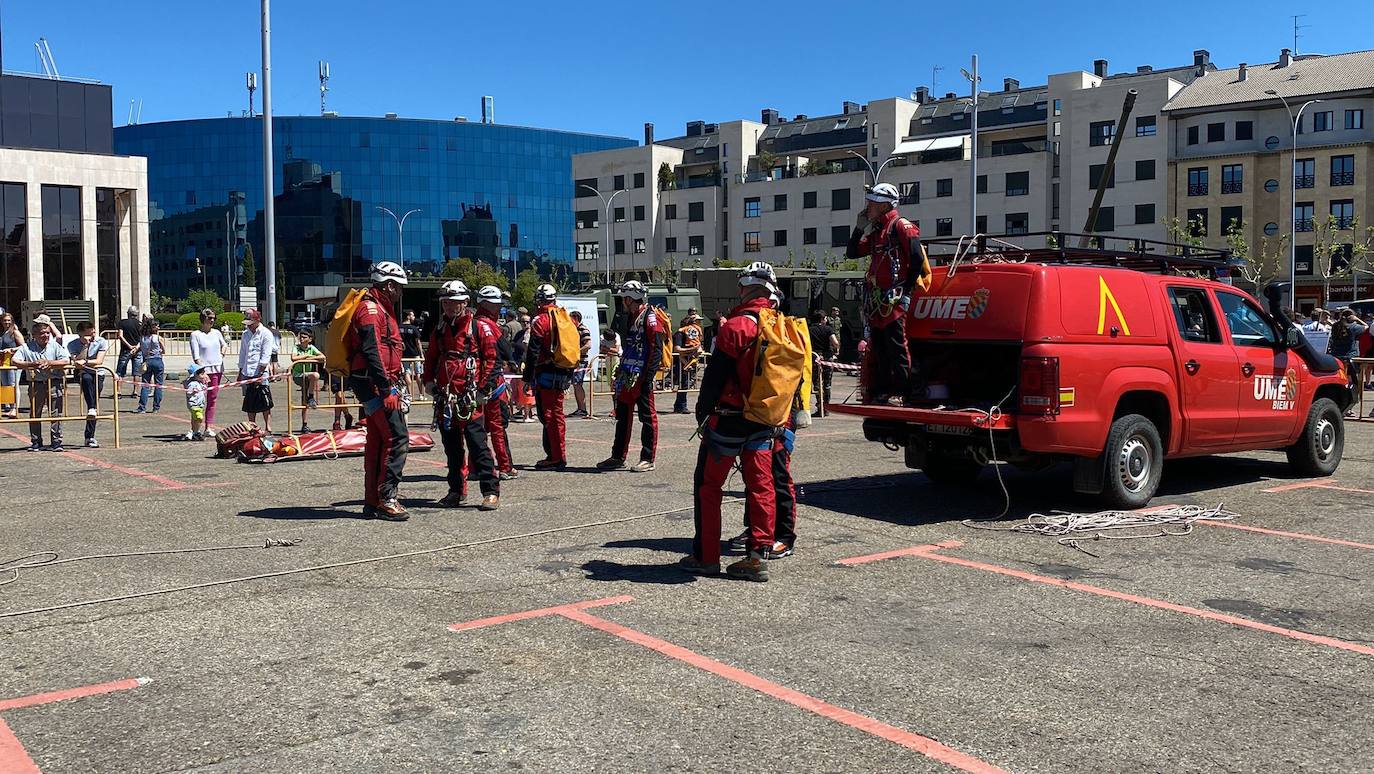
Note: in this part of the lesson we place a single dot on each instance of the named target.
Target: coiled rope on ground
(1070, 528)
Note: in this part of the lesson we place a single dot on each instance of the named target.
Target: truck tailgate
(969, 418)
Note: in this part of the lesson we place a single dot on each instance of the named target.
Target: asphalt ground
(1222, 650)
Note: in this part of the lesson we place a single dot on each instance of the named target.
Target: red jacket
(730, 371)
(539, 345)
(462, 354)
(374, 341)
(897, 263)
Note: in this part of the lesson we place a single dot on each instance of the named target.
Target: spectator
(512, 324)
(197, 384)
(44, 359)
(11, 340)
(305, 374)
(273, 370)
(88, 350)
(825, 346)
(255, 356)
(610, 347)
(1345, 345)
(154, 369)
(226, 332)
(584, 338)
(130, 334)
(208, 347)
(686, 354)
(1317, 329)
(410, 352)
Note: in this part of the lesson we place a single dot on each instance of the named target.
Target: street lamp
(400, 233)
(1293, 217)
(871, 170)
(973, 80)
(606, 220)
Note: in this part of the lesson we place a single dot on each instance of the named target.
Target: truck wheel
(1134, 461)
(951, 471)
(1319, 448)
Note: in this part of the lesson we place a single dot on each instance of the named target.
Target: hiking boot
(548, 464)
(741, 541)
(610, 463)
(695, 566)
(305, 429)
(452, 500)
(578, 413)
(750, 568)
(369, 511)
(643, 466)
(35, 447)
(778, 550)
(507, 475)
(92, 443)
(57, 447)
(391, 510)
(490, 503)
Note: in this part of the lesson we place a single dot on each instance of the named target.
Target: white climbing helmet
(759, 273)
(545, 294)
(489, 294)
(453, 290)
(384, 271)
(633, 289)
(882, 192)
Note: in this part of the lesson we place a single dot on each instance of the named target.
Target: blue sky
(607, 67)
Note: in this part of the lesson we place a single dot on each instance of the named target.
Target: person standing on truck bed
(898, 267)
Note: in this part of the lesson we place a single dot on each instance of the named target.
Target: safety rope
(33, 562)
(1069, 527)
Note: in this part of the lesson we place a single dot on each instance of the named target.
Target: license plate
(949, 429)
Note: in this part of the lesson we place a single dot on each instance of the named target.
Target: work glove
(392, 402)
(861, 222)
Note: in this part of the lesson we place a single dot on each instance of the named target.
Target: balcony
(1341, 178)
(1343, 223)
(1014, 148)
(1303, 224)
(1197, 189)
(1305, 181)
(1231, 186)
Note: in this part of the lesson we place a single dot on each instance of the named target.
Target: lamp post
(606, 221)
(1293, 213)
(973, 80)
(874, 172)
(400, 233)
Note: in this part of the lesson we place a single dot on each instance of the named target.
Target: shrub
(188, 322)
(234, 319)
(167, 319)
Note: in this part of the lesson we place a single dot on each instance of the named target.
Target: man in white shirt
(255, 357)
(1317, 329)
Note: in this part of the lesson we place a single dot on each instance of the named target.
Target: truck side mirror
(1292, 338)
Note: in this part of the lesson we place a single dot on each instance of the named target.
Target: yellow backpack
(336, 337)
(665, 339)
(782, 369)
(567, 345)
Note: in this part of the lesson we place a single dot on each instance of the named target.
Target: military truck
(804, 290)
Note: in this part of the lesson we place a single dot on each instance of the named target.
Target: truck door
(1208, 370)
(1268, 398)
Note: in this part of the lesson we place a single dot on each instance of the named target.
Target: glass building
(477, 188)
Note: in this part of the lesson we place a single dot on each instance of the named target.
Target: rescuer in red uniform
(641, 353)
(496, 412)
(460, 371)
(897, 269)
(547, 380)
(374, 364)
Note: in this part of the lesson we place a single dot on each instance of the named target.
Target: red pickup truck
(1112, 360)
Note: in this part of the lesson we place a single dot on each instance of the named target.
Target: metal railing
(670, 380)
(1342, 178)
(1231, 186)
(178, 343)
(56, 397)
(1303, 224)
(1305, 181)
(1197, 189)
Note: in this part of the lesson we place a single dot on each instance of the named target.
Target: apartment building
(788, 190)
(1232, 160)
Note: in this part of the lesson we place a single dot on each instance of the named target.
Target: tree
(1256, 267)
(158, 302)
(668, 273)
(474, 274)
(282, 316)
(197, 300)
(667, 181)
(726, 263)
(766, 160)
(1334, 255)
(250, 270)
(525, 283)
(815, 167)
(1192, 233)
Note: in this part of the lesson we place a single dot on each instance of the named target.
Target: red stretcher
(321, 445)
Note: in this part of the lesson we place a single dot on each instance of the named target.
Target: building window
(1303, 213)
(14, 247)
(639, 180)
(1095, 175)
(619, 182)
(839, 236)
(981, 185)
(909, 193)
(1354, 119)
(640, 247)
(696, 245)
(1054, 201)
(1232, 218)
(1106, 220)
(1057, 128)
(1058, 107)
(780, 238)
(1245, 130)
(981, 224)
(670, 245)
(839, 199)
(779, 202)
(1322, 121)
(670, 212)
(1145, 126)
(62, 273)
(751, 242)
(1302, 260)
(809, 200)
(752, 207)
(1305, 173)
(588, 251)
(1197, 223)
(588, 218)
(696, 212)
(1343, 210)
(619, 215)
(808, 236)
(619, 247)
(1018, 184)
(1192, 135)
(944, 187)
(585, 186)
(1145, 169)
(1144, 214)
(1216, 132)
(944, 227)
(1197, 181)
(1232, 179)
(639, 212)
(1018, 222)
(1101, 133)
(1342, 170)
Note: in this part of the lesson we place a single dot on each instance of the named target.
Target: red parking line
(13, 758)
(1282, 533)
(1316, 485)
(921, 744)
(928, 552)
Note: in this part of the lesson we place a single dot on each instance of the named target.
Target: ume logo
(1277, 390)
(951, 307)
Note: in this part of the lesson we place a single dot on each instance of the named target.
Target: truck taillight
(1040, 386)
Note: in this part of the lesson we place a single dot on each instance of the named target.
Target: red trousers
(713, 468)
(494, 415)
(549, 405)
(384, 450)
(638, 399)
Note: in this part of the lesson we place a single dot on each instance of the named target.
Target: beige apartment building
(1232, 162)
(788, 190)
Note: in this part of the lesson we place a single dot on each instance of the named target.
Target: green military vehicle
(804, 290)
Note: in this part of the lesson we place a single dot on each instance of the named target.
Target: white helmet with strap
(489, 294)
(545, 294)
(453, 290)
(883, 192)
(633, 289)
(384, 271)
(759, 273)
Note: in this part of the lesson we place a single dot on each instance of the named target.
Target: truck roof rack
(1066, 248)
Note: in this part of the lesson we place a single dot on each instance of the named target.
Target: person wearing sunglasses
(207, 351)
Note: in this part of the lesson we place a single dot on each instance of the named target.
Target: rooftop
(1291, 77)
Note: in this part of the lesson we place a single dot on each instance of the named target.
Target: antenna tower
(324, 83)
(252, 87)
